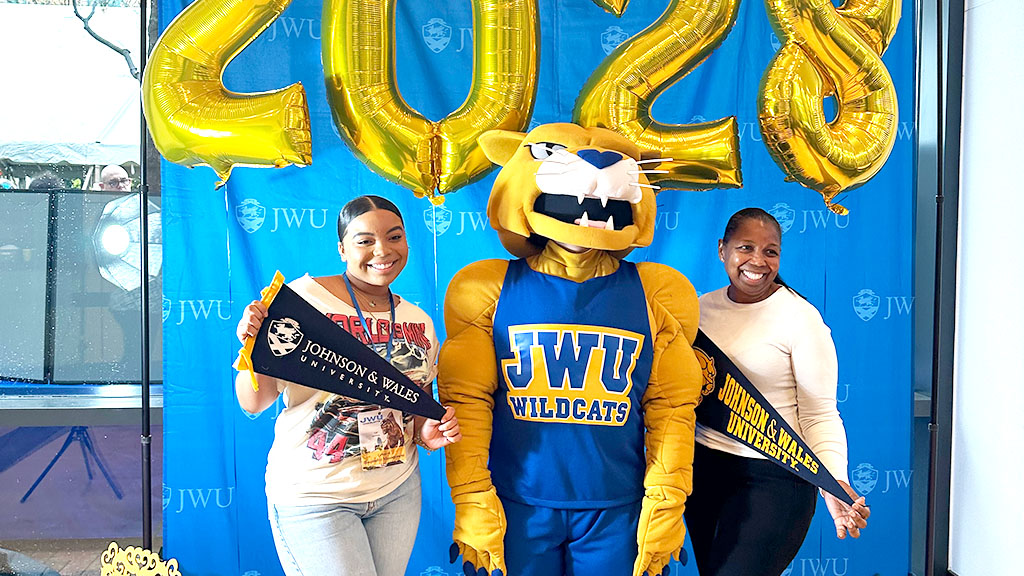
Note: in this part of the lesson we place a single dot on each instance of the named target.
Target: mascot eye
(542, 150)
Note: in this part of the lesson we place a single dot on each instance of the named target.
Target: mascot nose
(598, 158)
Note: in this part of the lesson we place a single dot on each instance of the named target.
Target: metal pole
(147, 466)
(949, 87)
(50, 306)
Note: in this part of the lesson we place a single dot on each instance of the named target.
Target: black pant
(746, 516)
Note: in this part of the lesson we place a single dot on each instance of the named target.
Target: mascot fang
(570, 369)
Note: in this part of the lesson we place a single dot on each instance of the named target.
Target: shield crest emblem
(250, 215)
(436, 34)
(284, 336)
(865, 304)
(166, 312)
(612, 37)
(784, 214)
(437, 219)
(864, 478)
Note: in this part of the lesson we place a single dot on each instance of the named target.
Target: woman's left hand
(849, 519)
(440, 434)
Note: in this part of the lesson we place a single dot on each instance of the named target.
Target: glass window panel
(23, 281)
(98, 312)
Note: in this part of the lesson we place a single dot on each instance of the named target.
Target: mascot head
(574, 185)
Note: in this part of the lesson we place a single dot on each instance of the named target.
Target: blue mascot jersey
(574, 360)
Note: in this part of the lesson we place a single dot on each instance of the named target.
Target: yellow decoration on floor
(134, 561)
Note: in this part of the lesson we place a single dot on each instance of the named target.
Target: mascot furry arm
(469, 375)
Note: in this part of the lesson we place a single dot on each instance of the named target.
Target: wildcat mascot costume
(571, 370)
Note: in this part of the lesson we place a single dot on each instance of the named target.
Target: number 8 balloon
(830, 52)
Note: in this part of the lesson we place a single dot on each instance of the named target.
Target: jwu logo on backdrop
(865, 478)
(612, 37)
(286, 27)
(437, 35)
(834, 566)
(251, 216)
(439, 219)
(178, 500)
(807, 220)
(867, 304)
(196, 310)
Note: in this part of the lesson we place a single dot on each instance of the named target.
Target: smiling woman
(342, 474)
(781, 344)
(750, 249)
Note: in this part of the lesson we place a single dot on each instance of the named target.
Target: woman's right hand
(848, 519)
(252, 318)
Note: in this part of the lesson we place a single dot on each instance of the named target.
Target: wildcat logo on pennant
(707, 368)
(284, 336)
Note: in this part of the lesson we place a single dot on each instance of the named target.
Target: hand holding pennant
(732, 405)
(299, 344)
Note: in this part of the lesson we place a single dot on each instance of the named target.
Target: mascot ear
(500, 145)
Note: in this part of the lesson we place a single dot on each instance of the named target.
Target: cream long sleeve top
(784, 347)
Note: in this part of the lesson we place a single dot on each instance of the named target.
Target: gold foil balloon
(194, 119)
(829, 52)
(398, 142)
(616, 7)
(620, 93)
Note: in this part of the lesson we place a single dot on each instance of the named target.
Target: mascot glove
(661, 531)
(480, 530)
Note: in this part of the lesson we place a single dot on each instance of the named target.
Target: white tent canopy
(68, 98)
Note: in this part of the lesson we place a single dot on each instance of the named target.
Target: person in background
(115, 178)
(333, 510)
(747, 516)
(46, 181)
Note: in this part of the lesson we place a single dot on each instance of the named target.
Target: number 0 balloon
(398, 142)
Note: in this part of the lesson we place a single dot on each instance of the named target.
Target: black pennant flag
(299, 344)
(732, 405)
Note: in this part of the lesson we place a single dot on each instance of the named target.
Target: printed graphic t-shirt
(316, 455)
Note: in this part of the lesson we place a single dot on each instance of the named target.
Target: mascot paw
(475, 563)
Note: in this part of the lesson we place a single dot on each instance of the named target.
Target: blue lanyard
(355, 304)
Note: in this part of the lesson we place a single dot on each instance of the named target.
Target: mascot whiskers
(570, 369)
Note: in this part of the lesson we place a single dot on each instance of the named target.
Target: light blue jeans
(367, 539)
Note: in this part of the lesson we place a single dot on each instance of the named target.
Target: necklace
(368, 298)
(362, 320)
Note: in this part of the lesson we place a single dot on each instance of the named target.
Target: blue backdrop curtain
(222, 246)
